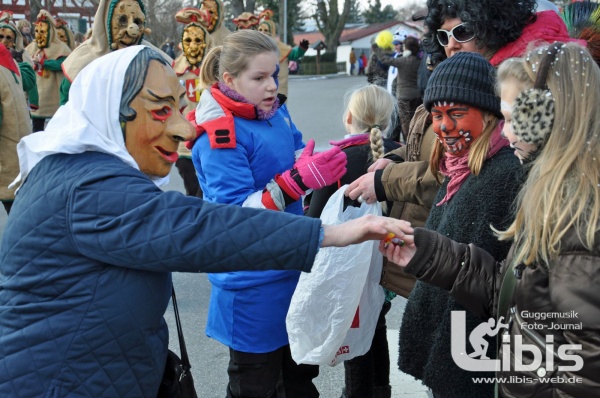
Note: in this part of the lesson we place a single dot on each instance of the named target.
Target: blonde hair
(23, 23)
(234, 55)
(561, 191)
(513, 69)
(477, 152)
(373, 109)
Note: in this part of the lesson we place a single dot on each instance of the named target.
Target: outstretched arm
(365, 228)
(469, 273)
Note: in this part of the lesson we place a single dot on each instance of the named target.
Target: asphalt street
(316, 106)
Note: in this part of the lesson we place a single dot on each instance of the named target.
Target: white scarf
(392, 73)
(89, 121)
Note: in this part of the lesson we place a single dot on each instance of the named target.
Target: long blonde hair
(562, 188)
(234, 55)
(372, 108)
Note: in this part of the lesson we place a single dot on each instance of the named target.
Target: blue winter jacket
(85, 275)
(247, 309)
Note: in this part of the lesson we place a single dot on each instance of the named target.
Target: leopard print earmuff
(533, 110)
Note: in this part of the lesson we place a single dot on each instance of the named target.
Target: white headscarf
(89, 121)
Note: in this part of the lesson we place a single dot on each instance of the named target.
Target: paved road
(316, 106)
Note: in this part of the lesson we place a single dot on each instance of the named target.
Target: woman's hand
(363, 189)
(365, 228)
(399, 254)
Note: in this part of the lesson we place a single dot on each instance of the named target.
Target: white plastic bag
(323, 323)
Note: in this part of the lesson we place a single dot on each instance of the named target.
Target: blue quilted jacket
(85, 275)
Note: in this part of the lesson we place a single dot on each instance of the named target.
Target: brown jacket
(562, 306)
(412, 187)
(16, 124)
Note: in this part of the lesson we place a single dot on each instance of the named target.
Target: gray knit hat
(466, 78)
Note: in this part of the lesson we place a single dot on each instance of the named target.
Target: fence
(326, 68)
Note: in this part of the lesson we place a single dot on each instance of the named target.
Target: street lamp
(285, 21)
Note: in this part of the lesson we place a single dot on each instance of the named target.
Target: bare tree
(160, 18)
(407, 10)
(330, 22)
(240, 6)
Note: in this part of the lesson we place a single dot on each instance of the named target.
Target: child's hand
(399, 254)
(316, 170)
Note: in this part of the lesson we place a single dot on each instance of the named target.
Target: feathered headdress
(583, 22)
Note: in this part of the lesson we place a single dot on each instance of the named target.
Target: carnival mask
(127, 24)
(212, 8)
(153, 137)
(246, 20)
(264, 28)
(7, 37)
(194, 44)
(62, 35)
(42, 34)
(457, 126)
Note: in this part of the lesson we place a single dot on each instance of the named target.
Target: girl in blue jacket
(245, 154)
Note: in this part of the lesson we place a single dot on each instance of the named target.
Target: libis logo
(478, 361)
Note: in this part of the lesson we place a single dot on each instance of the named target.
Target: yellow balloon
(384, 40)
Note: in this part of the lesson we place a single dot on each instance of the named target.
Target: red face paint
(457, 126)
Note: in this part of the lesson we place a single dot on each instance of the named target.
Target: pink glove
(315, 170)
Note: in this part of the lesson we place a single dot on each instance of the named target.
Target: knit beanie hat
(466, 78)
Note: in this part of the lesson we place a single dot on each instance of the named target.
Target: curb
(317, 77)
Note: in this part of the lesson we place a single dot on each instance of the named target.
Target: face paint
(62, 35)
(213, 10)
(7, 37)
(153, 137)
(194, 44)
(42, 33)
(275, 75)
(127, 24)
(456, 126)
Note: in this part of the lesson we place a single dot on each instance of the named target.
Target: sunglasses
(460, 33)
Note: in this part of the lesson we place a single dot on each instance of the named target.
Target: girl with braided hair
(369, 115)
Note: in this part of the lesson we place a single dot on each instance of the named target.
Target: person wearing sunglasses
(497, 29)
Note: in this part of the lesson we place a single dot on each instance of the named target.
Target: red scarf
(7, 61)
(457, 168)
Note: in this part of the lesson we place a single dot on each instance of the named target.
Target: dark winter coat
(481, 201)
(569, 293)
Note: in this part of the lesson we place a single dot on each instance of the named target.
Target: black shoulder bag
(177, 381)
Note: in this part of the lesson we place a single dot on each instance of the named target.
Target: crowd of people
(480, 139)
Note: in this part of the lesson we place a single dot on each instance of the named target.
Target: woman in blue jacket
(91, 240)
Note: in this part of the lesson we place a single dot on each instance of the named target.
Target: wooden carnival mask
(153, 136)
(7, 37)
(193, 43)
(127, 24)
(42, 34)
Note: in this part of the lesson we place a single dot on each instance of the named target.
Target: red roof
(359, 33)
(353, 34)
(312, 37)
